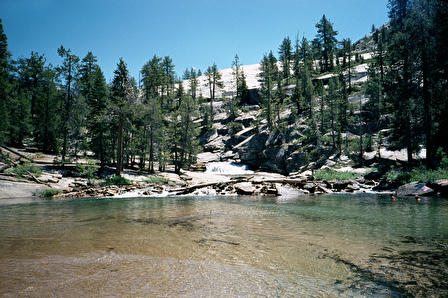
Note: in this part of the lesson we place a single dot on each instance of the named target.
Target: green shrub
(157, 180)
(22, 170)
(419, 174)
(87, 170)
(328, 174)
(116, 180)
(244, 109)
(48, 193)
(234, 127)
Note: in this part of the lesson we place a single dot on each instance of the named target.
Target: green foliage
(48, 193)
(23, 170)
(116, 180)
(328, 174)
(326, 39)
(269, 76)
(420, 174)
(234, 127)
(157, 180)
(87, 170)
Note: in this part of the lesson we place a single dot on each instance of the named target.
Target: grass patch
(48, 193)
(328, 174)
(22, 170)
(116, 180)
(419, 174)
(157, 180)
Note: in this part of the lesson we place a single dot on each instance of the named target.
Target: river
(332, 245)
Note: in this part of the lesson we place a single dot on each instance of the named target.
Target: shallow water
(345, 245)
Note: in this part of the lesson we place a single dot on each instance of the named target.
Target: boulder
(245, 133)
(250, 154)
(339, 185)
(275, 139)
(274, 160)
(216, 145)
(208, 137)
(246, 120)
(440, 186)
(244, 188)
(414, 189)
(295, 161)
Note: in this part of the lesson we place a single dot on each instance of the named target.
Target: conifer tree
(214, 83)
(68, 70)
(183, 134)
(98, 119)
(326, 40)
(120, 98)
(4, 86)
(285, 56)
(268, 75)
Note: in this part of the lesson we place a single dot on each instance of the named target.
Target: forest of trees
(406, 86)
(70, 109)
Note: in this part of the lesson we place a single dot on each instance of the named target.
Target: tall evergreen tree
(285, 56)
(69, 71)
(214, 82)
(4, 86)
(326, 37)
(98, 119)
(268, 75)
(120, 98)
(183, 134)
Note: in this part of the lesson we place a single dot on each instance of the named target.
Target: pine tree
(183, 134)
(326, 40)
(332, 99)
(399, 81)
(214, 83)
(4, 86)
(168, 82)
(98, 119)
(440, 86)
(120, 98)
(285, 56)
(68, 70)
(268, 75)
(193, 82)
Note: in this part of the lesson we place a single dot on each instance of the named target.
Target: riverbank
(210, 178)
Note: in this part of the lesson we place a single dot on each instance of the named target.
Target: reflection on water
(325, 245)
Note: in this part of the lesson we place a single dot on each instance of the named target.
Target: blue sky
(192, 32)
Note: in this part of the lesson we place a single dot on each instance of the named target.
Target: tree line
(69, 109)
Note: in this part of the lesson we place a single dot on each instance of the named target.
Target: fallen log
(17, 153)
(281, 181)
(11, 179)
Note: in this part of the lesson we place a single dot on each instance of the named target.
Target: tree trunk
(67, 110)
(120, 146)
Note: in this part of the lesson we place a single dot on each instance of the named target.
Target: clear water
(235, 246)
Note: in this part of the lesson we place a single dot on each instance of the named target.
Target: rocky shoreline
(223, 181)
